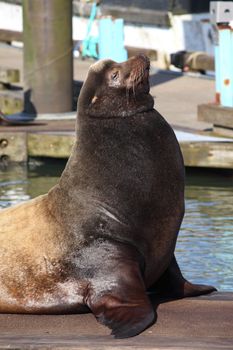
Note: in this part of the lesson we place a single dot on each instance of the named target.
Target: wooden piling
(48, 65)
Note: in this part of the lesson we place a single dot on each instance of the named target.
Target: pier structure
(176, 98)
(220, 113)
(47, 80)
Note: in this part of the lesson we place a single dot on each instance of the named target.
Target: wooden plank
(208, 154)
(216, 114)
(53, 145)
(137, 15)
(10, 35)
(203, 323)
(13, 147)
(133, 51)
(11, 102)
(221, 130)
(193, 61)
(128, 13)
(9, 75)
(196, 154)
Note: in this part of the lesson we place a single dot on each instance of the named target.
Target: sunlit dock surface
(195, 323)
(183, 136)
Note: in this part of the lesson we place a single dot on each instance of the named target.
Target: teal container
(111, 39)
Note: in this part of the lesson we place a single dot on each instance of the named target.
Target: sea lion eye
(115, 75)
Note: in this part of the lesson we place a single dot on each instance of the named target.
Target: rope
(49, 63)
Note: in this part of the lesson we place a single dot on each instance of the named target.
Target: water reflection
(13, 185)
(205, 244)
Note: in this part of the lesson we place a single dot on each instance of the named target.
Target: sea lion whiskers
(136, 77)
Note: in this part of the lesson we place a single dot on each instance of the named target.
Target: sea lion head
(116, 89)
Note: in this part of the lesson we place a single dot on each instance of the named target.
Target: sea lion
(106, 233)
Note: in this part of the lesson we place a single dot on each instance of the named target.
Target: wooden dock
(55, 139)
(201, 323)
(176, 98)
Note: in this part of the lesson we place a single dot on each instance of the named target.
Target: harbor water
(205, 243)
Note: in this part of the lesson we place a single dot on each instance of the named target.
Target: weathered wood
(11, 102)
(59, 145)
(221, 130)
(9, 75)
(132, 51)
(196, 154)
(13, 147)
(199, 61)
(48, 56)
(193, 61)
(203, 323)
(216, 114)
(52, 145)
(8, 36)
(208, 154)
(137, 15)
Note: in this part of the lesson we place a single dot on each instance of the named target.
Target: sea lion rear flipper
(124, 307)
(172, 284)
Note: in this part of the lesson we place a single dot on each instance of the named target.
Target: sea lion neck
(112, 105)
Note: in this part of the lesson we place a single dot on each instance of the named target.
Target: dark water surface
(205, 244)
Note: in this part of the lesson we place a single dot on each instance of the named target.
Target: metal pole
(226, 65)
(221, 16)
(217, 73)
(48, 60)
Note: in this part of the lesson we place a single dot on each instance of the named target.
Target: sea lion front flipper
(119, 301)
(172, 284)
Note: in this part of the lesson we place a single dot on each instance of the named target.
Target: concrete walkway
(177, 97)
(195, 323)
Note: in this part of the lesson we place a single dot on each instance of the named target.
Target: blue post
(111, 39)
(231, 55)
(217, 74)
(90, 43)
(221, 16)
(226, 66)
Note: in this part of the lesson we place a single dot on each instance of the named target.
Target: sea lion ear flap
(94, 99)
(124, 308)
(97, 107)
